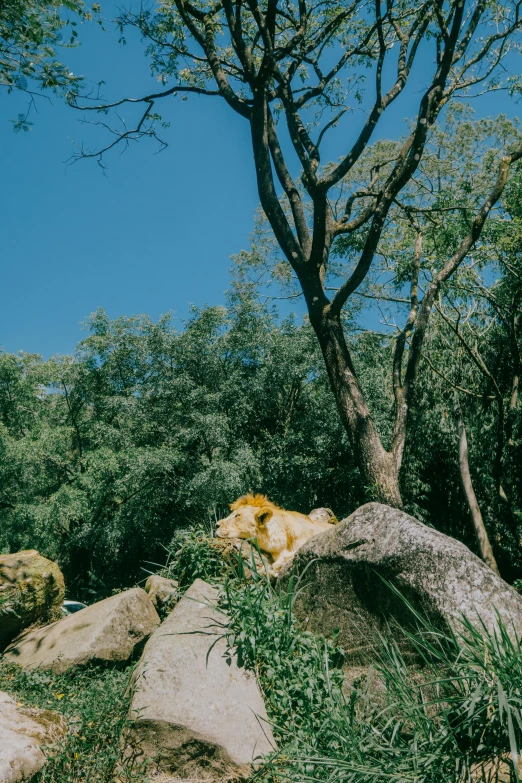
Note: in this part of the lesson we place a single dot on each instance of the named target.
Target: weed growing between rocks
(95, 703)
(192, 556)
(300, 673)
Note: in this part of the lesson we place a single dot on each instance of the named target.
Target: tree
(502, 316)
(30, 32)
(305, 63)
(479, 325)
(434, 212)
(422, 229)
(483, 541)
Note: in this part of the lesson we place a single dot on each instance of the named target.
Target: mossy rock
(229, 549)
(31, 589)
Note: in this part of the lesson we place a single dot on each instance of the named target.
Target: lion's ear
(264, 515)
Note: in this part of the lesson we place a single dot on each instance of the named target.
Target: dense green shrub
(192, 557)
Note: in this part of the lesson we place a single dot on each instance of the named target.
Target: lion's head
(244, 520)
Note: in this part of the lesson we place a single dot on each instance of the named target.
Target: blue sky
(151, 235)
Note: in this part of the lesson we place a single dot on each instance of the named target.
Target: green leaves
(300, 674)
(30, 33)
(21, 123)
(147, 430)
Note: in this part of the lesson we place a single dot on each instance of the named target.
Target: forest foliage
(145, 429)
(148, 429)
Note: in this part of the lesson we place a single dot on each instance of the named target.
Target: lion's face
(241, 523)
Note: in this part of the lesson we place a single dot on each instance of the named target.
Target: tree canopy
(147, 429)
(295, 71)
(31, 32)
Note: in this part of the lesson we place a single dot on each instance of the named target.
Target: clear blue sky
(153, 234)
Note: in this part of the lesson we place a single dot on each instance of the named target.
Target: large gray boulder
(106, 631)
(192, 715)
(438, 575)
(23, 732)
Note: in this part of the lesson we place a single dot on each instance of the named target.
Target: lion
(279, 533)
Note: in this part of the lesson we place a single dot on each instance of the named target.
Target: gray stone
(323, 515)
(106, 631)
(31, 589)
(192, 715)
(22, 733)
(438, 575)
(161, 591)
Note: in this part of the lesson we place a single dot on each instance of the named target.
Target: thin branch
(455, 385)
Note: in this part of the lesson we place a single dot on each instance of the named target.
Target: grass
(191, 556)
(95, 702)
(300, 674)
(456, 717)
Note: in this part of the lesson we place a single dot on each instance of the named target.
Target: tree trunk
(378, 467)
(513, 399)
(486, 552)
(510, 420)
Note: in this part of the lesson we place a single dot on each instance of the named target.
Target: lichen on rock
(32, 589)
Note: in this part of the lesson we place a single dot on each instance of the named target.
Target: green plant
(300, 674)
(191, 556)
(95, 703)
(456, 716)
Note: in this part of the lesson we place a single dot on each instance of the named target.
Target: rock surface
(161, 591)
(323, 515)
(193, 715)
(106, 631)
(22, 733)
(436, 574)
(32, 587)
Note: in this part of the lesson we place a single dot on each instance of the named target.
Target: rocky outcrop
(31, 589)
(346, 586)
(106, 631)
(23, 732)
(193, 715)
(162, 592)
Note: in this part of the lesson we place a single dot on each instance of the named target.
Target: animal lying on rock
(279, 533)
